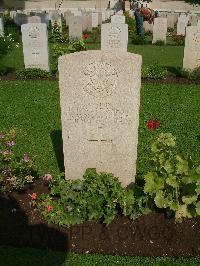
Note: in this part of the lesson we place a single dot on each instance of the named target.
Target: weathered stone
(114, 37)
(182, 24)
(94, 20)
(159, 30)
(148, 26)
(34, 19)
(118, 19)
(75, 27)
(35, 45)
(100, 98)
(191, 58)
(172, 20)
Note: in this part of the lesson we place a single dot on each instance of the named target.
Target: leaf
(189, 199)
(182, 212)
(171, 181)
(198, 208)
(160, 200)
(181, 166)
(153, 183)
(168, 167)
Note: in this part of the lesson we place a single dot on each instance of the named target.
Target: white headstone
(33, 19)
(100, 99)
(118, 19)
(75, 27)
(114, 37)
(159, 30)
(182, 24)
(94, 19)
(191, 58)
(147, 26)
(35, 45)
(172, 20)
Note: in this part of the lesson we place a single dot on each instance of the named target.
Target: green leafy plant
(178, 39)
(99, 196)
(173, 182)
(159, 43)
(195, 74)
(72, 47)
(15, 172)
(154, 72)
(57, 36)
(138, 39)
(30, 73)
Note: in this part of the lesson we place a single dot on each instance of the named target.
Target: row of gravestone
(172, 20)
(114, 36)
(55, 16)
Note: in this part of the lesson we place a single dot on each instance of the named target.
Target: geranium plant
(173, 182)
(15, 171)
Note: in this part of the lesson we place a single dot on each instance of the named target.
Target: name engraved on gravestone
(114, 36)
(35, 45)
(99, 112)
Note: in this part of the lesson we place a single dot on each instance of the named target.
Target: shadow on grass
(15, 231)
(56, 138)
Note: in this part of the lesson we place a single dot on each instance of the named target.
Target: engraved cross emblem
(102, 144)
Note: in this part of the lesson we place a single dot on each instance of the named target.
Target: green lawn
(170, 56)
(33, 107)
(32, 257)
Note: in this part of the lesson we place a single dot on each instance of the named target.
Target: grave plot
(99, 134)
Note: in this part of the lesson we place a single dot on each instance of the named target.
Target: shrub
(15, 172)
(96, 197)
(179, 72)
(30, 73)
(178, 39)
(195, 74)
(138, 39)
(154, 72)
(170, 29)
(56, 36)
(160, 43)
(173, 182)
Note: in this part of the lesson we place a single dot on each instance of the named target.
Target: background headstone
(75, 27)
(118, 19)
(191, 58)
(35, 45)
(94, 20)
(100, 98)
(159, 30)
(114, 37)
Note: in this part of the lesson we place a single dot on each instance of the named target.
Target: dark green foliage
(138, 39)
(99, 196)
(31, 73)
(178, 39)
(195, 74)
(159, 43)
(154, 72)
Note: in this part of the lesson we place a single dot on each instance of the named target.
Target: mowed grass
(170, 56)
(32, 257)
(33, 108)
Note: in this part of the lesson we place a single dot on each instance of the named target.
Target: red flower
(49, 208)
(153, 124)
(34, 196)
(85, 36)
